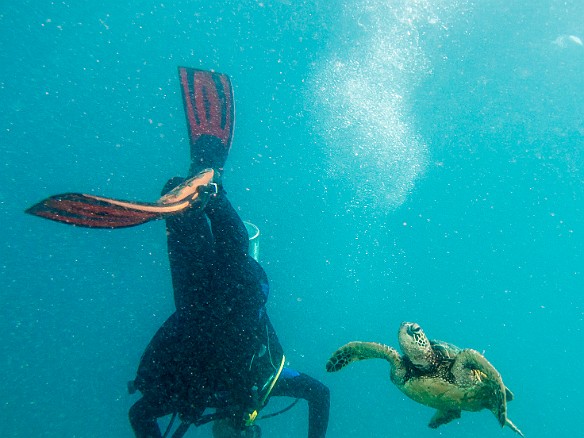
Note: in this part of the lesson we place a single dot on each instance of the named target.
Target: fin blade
(210, 114)
(91, 212)
(97, 212)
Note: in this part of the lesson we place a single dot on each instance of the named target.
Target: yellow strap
(274, 380)
(253, 415)
(251, 418)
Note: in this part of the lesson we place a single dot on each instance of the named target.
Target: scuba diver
(218, 349)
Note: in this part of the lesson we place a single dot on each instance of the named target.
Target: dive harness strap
(252, 416)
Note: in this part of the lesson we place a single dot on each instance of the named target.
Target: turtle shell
(444, 351)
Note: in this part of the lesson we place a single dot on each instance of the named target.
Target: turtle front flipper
(443, 417)
(356, 350)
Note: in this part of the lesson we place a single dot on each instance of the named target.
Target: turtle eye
(414, 329)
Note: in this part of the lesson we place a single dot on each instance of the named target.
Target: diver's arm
(300, 385)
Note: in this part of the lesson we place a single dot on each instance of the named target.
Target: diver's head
(254, 240)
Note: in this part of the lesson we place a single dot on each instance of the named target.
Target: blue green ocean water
(415, 160)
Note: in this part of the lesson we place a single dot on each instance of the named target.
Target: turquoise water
(405, 160)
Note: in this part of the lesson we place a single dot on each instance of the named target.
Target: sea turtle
(436, 374)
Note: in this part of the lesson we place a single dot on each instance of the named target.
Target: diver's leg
(190, 253)
(210, 113)
(294, 384)
(229, 232)
(160, 357)
(143, 415)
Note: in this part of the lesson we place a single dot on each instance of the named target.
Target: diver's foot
(171, 184)
(218, 176)
(196, 190)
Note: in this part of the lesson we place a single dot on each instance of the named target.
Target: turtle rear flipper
(472, 368)
(356, 350)
(512, 426)
(443, 417)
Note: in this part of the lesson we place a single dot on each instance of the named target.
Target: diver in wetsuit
(219, 349)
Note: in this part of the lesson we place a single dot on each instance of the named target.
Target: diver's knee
(143, 420)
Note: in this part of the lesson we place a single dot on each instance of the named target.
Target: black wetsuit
(220, 340)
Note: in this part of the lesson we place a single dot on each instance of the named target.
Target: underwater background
(405, 161)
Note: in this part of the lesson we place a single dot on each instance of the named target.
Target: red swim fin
(97, 212)
(210, 113)
(90, 211)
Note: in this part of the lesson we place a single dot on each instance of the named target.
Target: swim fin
(210, 113)
(98, 212)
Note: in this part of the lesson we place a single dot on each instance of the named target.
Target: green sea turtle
(436, 374)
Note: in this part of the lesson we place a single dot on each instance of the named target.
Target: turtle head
(415, 345)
